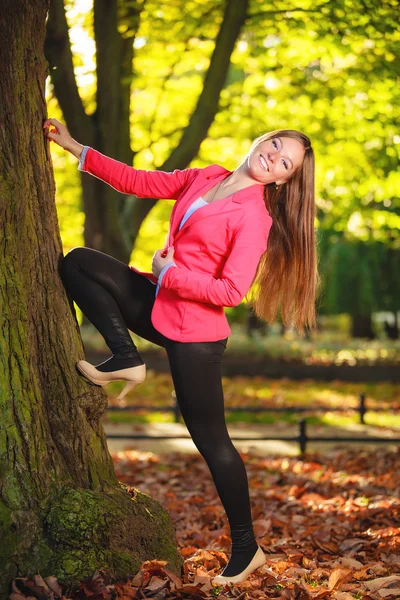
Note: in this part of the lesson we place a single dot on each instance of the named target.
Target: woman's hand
(160, 259)
(62, 137)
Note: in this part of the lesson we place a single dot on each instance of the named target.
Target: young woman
(216, 249)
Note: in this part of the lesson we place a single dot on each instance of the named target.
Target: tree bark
(62, 509)
(113, 220)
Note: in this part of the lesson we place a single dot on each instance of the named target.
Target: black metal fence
(302, 438)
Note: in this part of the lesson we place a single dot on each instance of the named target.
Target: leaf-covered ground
(329, 524)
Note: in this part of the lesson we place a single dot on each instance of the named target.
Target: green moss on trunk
(86, 530)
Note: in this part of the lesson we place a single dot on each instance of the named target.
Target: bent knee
(77, 251)
(72, 257)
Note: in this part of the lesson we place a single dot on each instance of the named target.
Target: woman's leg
(196, 373)
(114, 298)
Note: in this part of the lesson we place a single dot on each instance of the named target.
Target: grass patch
(328, 419)
(139, 417)
(323, 348)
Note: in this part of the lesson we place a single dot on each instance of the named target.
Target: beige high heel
(133, 376)
(256, 562)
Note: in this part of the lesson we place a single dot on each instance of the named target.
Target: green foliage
(330, 70)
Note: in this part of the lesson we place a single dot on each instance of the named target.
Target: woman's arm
(249, 244)
(123, 178)
(128, 180)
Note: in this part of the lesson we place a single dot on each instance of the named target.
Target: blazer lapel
(210, 177)
(214, 174)
(209, 211)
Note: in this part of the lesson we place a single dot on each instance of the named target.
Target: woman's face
(275, 160)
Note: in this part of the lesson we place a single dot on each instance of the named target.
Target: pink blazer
(217, 250)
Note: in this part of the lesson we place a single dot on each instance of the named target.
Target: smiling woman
(287, 274)
(282, 164)
(218, 237)
(279, 157)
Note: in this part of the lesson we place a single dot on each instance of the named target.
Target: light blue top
(194, 206)
(82, 158)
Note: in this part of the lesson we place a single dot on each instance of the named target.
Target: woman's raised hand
(62, 137)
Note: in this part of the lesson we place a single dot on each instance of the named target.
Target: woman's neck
(238, 180)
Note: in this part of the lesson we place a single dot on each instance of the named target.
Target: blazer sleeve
(249, 244)
(128, 180)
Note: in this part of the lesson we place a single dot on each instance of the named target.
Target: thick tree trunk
(62, 509)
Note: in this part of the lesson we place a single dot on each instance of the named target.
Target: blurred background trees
(164, 85)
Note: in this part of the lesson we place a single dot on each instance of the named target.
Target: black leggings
(115, 298)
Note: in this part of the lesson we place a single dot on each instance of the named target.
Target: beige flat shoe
(256, 562)
(133, 376)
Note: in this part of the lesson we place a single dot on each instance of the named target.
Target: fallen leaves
(329, 524)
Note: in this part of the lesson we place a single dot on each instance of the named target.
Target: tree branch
(268, 13)
(58, 53)
(207, 106)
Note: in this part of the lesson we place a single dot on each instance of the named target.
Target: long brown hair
(287, 275)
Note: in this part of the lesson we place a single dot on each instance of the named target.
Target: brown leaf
(295, 571)
(261, 527)
(28, 587)
(352, 563)
(53, 584)
(161, 594)
(352, 544)
(309, 588)
(386, 592)
(312, 498)
(300, 593)
(281, 565)
(151, 565)
(376, 584)
(308, 563)
(362, 573)
(286, 594)
(15, 588)
(176, 581)
(124, 590)
(38, 579)
(94, 588)
(194, 591)
(156, 583)
(378, 569)
(140, 577)
(339, 576)
(202, 555)
(327, 546)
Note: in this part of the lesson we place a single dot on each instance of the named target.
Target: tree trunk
(255, 324)
(62, 509)
(361, 326)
